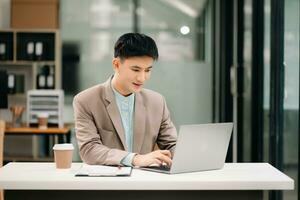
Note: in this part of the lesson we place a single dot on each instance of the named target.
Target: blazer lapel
(114, 113)
(139, 123)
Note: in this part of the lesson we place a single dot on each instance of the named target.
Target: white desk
(243, 178)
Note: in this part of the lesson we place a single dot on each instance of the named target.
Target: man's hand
(156, 157)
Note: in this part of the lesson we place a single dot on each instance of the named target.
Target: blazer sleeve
(91, 149)
(167, 134)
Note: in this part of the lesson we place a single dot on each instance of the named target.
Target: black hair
(135, 44)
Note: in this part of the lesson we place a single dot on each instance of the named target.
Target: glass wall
(247, 80)
(92, 27)
(291, 99)
(182, 30)
(267, 55)
(291, 93)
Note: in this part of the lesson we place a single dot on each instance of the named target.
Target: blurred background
(219, 61)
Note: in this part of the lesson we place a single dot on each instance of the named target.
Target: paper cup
(63, 155)
(43, 120)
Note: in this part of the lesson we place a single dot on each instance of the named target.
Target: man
(118, 122)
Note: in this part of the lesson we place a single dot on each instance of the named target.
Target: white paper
(102, 170)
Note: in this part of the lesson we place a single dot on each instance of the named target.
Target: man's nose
(141, 77)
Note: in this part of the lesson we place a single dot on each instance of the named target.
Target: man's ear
(116, 64)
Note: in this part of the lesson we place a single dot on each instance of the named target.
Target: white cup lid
(43, 115)
(65, 146)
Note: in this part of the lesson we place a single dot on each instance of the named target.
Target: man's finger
(165, 159)
(156, 162)
(166, 152)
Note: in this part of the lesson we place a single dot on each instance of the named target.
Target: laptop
(199, 147)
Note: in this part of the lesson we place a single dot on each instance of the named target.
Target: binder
(102, 170)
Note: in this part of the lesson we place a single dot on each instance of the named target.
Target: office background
(216, 64)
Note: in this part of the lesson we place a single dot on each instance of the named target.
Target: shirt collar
(119, 96)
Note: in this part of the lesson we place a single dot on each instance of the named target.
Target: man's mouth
(137, 84)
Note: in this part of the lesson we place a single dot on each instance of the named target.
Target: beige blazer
(99, 129)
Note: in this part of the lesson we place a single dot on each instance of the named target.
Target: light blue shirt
(126, 108)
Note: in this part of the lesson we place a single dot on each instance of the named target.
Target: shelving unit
(17, 60)
(51, 102)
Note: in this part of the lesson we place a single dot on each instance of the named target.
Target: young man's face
(131, 73)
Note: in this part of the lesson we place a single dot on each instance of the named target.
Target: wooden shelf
(17, 95)
(33, 130)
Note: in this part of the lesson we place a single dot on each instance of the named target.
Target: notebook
(199, 147)
(101, 170)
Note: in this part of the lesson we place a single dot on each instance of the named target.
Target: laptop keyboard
(161, 167)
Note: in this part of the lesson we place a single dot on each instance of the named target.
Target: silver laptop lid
(201, 147)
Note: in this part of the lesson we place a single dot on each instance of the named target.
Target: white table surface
(234, 176)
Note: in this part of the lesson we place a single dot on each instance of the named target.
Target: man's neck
(115, 85)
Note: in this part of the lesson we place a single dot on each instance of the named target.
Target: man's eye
(135, 70)
(148, 70)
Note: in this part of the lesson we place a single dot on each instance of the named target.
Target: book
(102, 170)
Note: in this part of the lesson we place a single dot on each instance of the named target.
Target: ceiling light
(184, 30)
